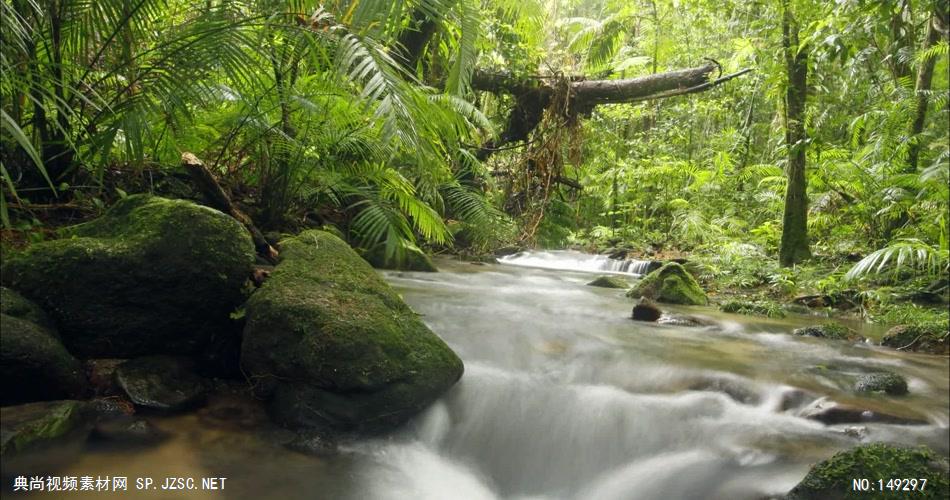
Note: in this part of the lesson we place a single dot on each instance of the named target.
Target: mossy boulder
(832, 479)
(753, 308)
(34, 365)
(35, 425)
(152, 275)
(671, 283)
(609, 282)
(334, 347)
(16, 305)
(934, 338)
(833, 331)
(411, 259)
(887, 382)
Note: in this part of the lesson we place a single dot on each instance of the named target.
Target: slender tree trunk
(794, 246)
(924, 77)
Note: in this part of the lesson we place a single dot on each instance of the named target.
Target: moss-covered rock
(934, 339)
(34, 365)
(609, 282)
(14, 304)
(31, 426)
(887, 382)
(753, 308)
(670, 283)
(335, 347)
(410, 260)
(832, 479)
(832, 331)
(152, 275)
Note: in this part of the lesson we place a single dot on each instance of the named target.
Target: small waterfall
(567, 260)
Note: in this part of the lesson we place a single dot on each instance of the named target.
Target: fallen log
(219, 199)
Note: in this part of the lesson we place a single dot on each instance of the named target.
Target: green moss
(151, 275)
(888, 382)
(14, 304)
(410, 260)
(928, 337)
(609, 282)
(829, 330)
(33, 425)
(757, 308)
(670, 283)
(832, 479)
(337, 344)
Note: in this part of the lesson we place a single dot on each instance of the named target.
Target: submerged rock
(34, 365)
(128, 431)
(152, 275)
(646, 310)
(832, 331)
(671, 283)
(888, 382)
(684, 320)
(831, 413)
(334, 346)
(412, 260)
(35, 425)
(833, 478)
(931, 339)
(161, 383)
(609, 282)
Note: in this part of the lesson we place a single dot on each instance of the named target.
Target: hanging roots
(556, 137)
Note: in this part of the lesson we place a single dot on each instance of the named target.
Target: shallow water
(565, 397)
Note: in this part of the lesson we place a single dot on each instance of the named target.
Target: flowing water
(564, 397)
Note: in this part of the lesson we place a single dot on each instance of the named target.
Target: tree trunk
(794, 247)
(924, 77)
(533, 96)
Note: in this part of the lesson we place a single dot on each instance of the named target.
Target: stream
(565, 397)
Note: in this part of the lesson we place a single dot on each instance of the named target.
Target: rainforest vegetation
(197, 197)
(785, 147)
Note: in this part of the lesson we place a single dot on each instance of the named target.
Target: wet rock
(732, 388)
(832, 331)
(832, 479)
(101, 376)
(794, 398)
(14, 304)
(36, 425)
(162, 383)
(150, 276)
(34, 365)
(332, 345)
(646, 310)
(111, 407)
(128, 431)
(412, 259)
(314, 444)
(684, 320)
(671, 283)
(609, 282)
(830, 413)
(933, 339)
(887, 382)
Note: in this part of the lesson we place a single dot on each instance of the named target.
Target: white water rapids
(565, 397)
(569, 260)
